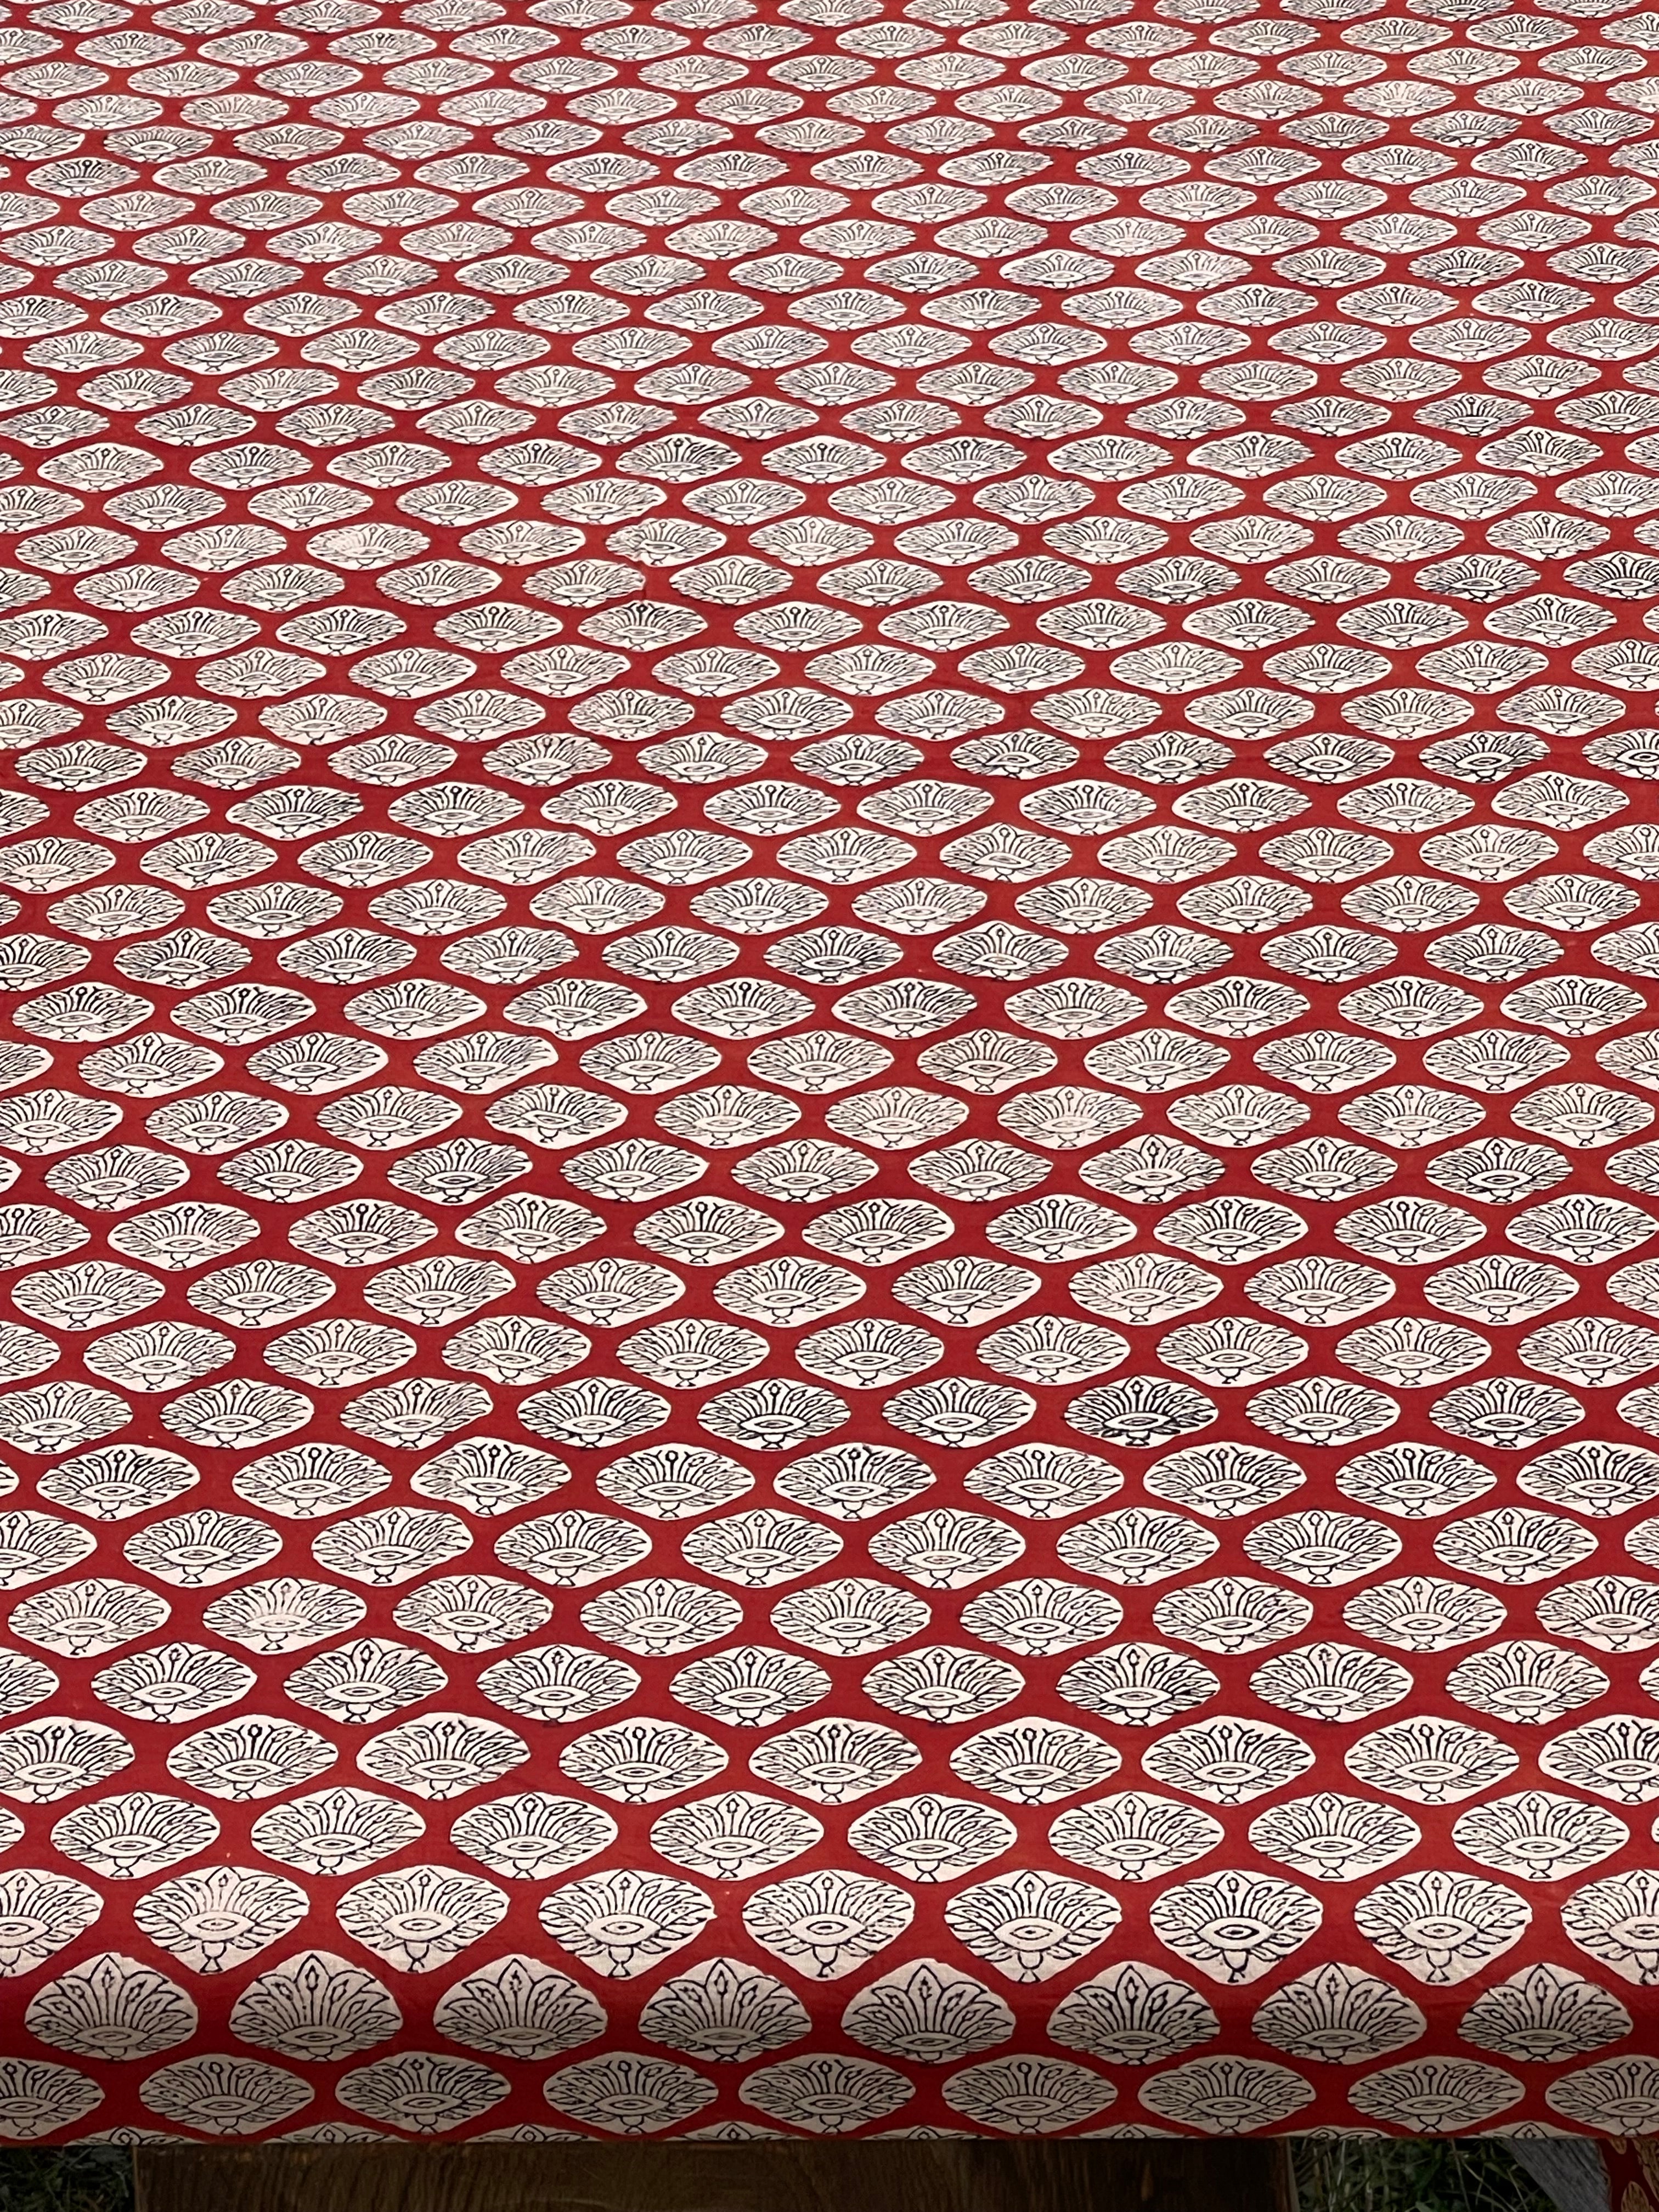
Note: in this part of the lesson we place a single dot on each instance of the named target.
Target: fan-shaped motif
(826, 1109)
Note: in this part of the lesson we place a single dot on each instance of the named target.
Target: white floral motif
(824, 951)
(517, 2008)
(315, 2005)
(215, 1919)
(629, 2094)
(425, 2092)
(112, 2008)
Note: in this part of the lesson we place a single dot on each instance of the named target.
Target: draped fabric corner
(827, 1116)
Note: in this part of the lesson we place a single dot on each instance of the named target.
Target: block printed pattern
(829, 1185)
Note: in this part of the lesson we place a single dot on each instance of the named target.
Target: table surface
(980, 2175)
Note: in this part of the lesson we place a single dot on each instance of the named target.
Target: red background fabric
(828, 1097)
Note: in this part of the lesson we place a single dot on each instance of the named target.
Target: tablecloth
(828, 1108)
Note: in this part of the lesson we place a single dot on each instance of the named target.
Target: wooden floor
(682, 2177)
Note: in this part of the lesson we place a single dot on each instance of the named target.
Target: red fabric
(1629, 2172)
(831, 1198)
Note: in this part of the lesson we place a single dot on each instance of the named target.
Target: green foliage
(83, 2178)
(1377, 2174)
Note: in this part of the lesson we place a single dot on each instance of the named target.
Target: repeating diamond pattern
(828, 1117)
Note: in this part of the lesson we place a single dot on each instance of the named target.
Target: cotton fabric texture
(828, 1096)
